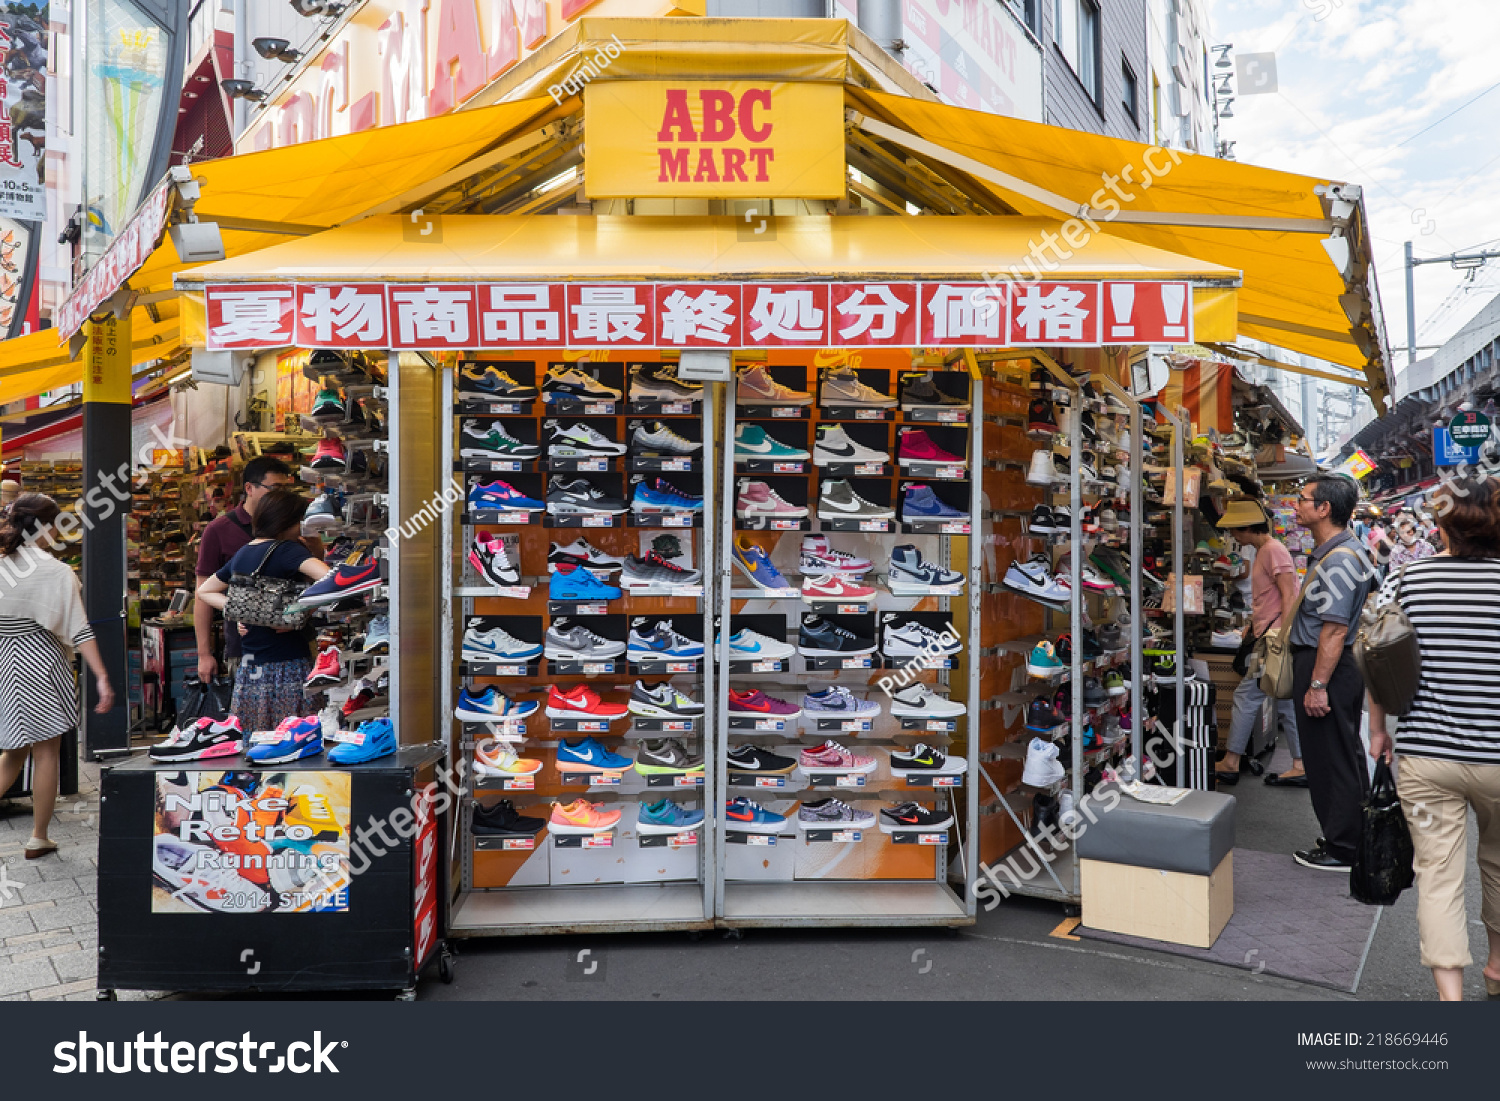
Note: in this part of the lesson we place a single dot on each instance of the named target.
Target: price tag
(507, 671)
(598, 520)
(855, 724)
(770, 781)
(513, 843)
(690, 780)
(502, 466)
(519, 783)
(786, 411)
(869, 468)
(605, 780)
(945, 725)
(599, 841)
(591, 464)
(677, 408)
(786, 468)
(765, 667)
(869, 414)
(681, 666)
(677, 464)
(598, 408)
(956, 528)
(265, 737)
(952, 416)
(677, 520)
(851, 609)
(592, 667)
(849, 782)
(947, 781)
(770, 724)
(760, 839)
(873, 525)
(682, 840)
(786, 525)
(856, 663)
(591, 609)
(948, 472)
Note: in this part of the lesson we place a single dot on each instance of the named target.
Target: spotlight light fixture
(1223, 52)
(276, 49)
(242, 89)
(315, 8)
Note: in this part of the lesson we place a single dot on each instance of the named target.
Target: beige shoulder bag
(1273, 652)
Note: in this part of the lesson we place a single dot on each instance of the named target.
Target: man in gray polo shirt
(1328, 691)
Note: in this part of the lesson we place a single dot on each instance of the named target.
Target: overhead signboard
(1447, 453)
(974, 54)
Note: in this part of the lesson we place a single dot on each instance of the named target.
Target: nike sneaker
(1032, 579)
(494, 758)
(661, 641)
(666, 757)
(566, 498)
(819, 637)
(758, 499)
(754, 563)
(581, 552)
(1046, 520)
(340, 583)
(659, 437)
(820, 557)
(920, 701)
(326, 511)
(576, 584)
(833, 445)
(191, 873)
(662, 701)
(665, 816)
(751, 758)
(838, 702)
(581, 702)
(493, 384)
(751, 441)
(586, 755)
(832, 813)
(915, 446)
(500, 496)
(569, 641)
(203, 740)
(496, 644)
(832, 757)
(362, 697)
(748, 645)
(564, 383)
(492, 706)
(297, 738)
(921, 503)
(1043, 470)
(926, 760)
(329, 455)
(1042, 717)
(746, 816)
(662, 494)
(377, 636)
(329, 406)
(833, 587)
(838, 501)
(841, 386)
(912, 575)
(1042, 768)
(1043, 661)
(502, 820)
(488, 556)
(487, 440)
(326, 670)
(581, 816)
(581, 441)
(755, 702)
(659, 382)
(653, 569)
(755, 386)
(919, 391)
(912, 816)
(375, 738)
(905, 640)
(1041, 419)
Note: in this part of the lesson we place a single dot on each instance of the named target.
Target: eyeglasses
(1307, 500)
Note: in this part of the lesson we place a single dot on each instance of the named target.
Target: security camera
(276, 49)
(311, 8)
(242, 89)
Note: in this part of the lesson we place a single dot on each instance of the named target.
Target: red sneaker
(330, 455)
(581, 702)
(327, 669)
(917, 447)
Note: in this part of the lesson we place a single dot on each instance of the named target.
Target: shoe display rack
(575, 669)
(845, 591)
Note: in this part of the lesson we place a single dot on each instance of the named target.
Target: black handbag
(265, 601)
(1383, 862)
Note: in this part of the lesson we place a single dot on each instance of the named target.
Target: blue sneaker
(299, 738)
(746, 645)
(745, 816)
(589, 756)
(377, 738)
(665, 816)
(499, 496)
(663, 494)
(920, 503)
(661, 641)
(491, 706)
(576, 583)
(755, 564)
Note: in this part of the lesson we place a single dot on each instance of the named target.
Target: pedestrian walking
(1447, 747)
(1410, 545)
(42, 622)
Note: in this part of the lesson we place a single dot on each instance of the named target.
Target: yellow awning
(36, 363)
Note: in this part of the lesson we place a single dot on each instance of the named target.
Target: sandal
(39, 846)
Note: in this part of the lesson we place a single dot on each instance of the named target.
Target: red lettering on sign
(458, 69)
(677, 117)
(762, 157)
(747, 114)
(718, 114)
(707, 171)
(674, 165)
(734, 166)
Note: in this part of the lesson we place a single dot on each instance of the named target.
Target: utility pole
(1458, 260)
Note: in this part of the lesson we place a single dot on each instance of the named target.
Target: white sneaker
(833, 445)
(1043, 472)
(660, 437)
(920, 700)
(1042, 766)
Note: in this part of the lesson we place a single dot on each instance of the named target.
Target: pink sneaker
(759, 499)
(832, 757)
(833, 587)
(917, 447)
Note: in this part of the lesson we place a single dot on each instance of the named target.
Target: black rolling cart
(224, 876)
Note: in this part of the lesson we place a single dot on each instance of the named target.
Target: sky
(1402, 98)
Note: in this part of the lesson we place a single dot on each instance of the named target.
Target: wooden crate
(1149, 902)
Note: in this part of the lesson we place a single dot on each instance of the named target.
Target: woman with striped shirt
(1449, 743)
(42, 622)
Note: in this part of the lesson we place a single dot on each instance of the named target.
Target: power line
(1448, 116)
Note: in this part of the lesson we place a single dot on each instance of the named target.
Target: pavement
(1019, 951)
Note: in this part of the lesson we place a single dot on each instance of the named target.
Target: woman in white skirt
(42, 621)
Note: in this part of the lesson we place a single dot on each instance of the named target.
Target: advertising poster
(251, 842)
(23, 92)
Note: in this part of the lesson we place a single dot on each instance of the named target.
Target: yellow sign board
(107, 366)
(720, 139)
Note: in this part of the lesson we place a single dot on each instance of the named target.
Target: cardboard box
(1161, 905)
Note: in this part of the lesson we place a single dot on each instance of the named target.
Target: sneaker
(326, 511)
(746, 816)
(581, 816)
(1226, 640)
(340, 583)
(329, 406)
(754, 563)
(362, 697)
(838, 700)
(586, 755)
(326, 670)
(838, 501)
(1041, 716)
(662, 701)
(1041, 418)
(832, 757)
(921, 503)
(922, 758)
(490, 382)
(502, 820)
(1109, 520)
(488, 556)
(1042, 766)
(569, 641)
(1044, 588)
(500, 496)
(486, 439)
(905, 640)
(912, 575)
(751, 441)
(750, 758)
(833, 445)
(918, 391)
(748, 645)
(659, 382)
(203, 740)
(375, 738)
(915, 446)
(661, 641)
(755, 386)
(820, 557)
(1111, 637)
(918, 700)
(492, 706)
(756, 702)
(576, 584)
(298, 738)
(666, 757)
(495, 758)
(192, 873)
(660, 437)
(1114, 684)
(665, 816)
(330, 455)
(497, 645)
(759, 499)
(564, 383)
(567, 498)
(581, 441)
(833, 587)
(653, 569)
(1047, 520)
(1043, 661)
(581, 552)
(581, 702)
(819, 637)
(662, 494)
(1093, 693)
(835, 813)
(841, 386)
(377, 636)
(1043, 470)
(912, 816)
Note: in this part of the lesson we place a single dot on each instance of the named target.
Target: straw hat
(1243, 513)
